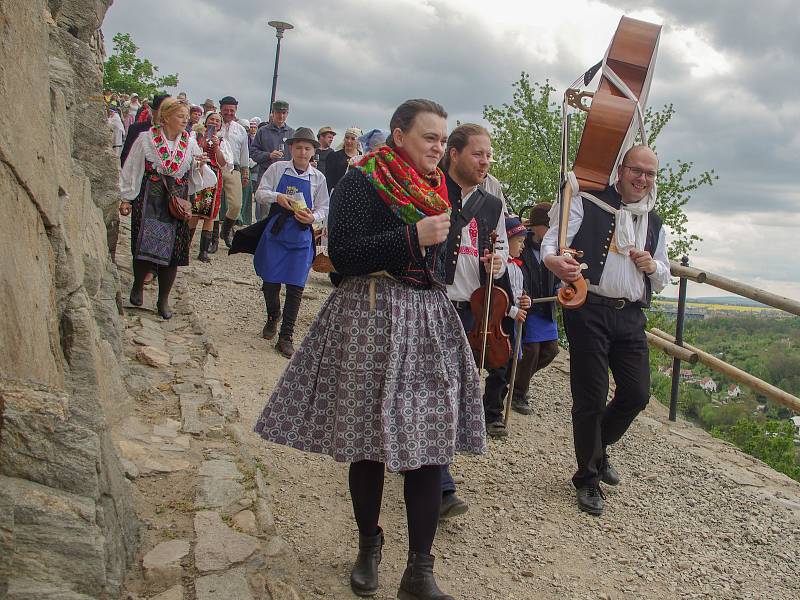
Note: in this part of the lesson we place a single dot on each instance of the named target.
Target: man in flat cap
(325, 137)
(269, 145)
(234, 182)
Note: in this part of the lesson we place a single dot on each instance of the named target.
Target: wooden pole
(671, 349)
(754, 383)
(736, 287)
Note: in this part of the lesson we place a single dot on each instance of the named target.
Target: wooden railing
(675, 347)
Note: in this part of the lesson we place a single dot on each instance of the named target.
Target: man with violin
(475, 215)
(625, 261)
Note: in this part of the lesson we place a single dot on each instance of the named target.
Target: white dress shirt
(620, 278)
(517, 280)
(236, 136)
(130, 178)
(266, 194)
(467, 277)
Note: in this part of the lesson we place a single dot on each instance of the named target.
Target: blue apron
(286, 256)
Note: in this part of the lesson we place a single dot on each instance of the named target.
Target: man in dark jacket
(269, 144)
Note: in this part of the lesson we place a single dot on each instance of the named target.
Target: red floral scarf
(410, 196)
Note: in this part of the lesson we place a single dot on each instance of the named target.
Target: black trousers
(272, 298)
(535, 357)
(601, 338)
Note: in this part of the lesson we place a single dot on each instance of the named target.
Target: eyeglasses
(637, 172)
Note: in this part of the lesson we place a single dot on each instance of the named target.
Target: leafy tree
(527, 144)
(124, 72)
(770, 441)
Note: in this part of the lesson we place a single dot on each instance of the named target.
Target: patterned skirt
(390, 380)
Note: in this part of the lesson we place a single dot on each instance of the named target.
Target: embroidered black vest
(487, 218)
(597, 230)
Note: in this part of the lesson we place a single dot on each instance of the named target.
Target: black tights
(422, 493)
(166, 277)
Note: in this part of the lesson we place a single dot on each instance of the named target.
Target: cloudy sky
(729, 67)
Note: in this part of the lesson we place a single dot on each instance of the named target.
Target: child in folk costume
(519, 303)
(297, 196)
(205, 204)
(540, 335)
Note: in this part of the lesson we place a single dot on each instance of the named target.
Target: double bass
(615, 116)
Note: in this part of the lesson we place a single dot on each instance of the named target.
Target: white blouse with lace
(130, 179)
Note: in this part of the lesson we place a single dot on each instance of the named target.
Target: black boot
(227, 231)
(205, 243)
(418, 582)
(214, 238)
(294, 295)
(364, 576)
(272, 301)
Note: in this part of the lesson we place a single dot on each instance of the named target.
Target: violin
(489, 305)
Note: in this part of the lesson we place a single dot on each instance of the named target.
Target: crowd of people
(385, 378)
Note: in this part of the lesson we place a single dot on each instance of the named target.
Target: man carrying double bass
(623, 244)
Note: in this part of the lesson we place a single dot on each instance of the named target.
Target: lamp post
(280, 27)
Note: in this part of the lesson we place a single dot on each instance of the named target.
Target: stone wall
(67, 525)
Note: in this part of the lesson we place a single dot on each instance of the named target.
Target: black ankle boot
(205, 243)
(364, 576)
(214, 238)
(227, 231)
(418, 582)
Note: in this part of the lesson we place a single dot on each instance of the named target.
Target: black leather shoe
(608, 474)
(497, 429)
(270, 328)
(452, 506)
(285, 347)
(590, 499)
(364, 576)
(521, 406)
(418, 582)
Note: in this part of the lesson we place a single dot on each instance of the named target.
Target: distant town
(718, 306)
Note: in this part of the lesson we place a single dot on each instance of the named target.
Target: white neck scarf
(628, 234)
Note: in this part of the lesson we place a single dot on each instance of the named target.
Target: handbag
(322, 262)
(179, 208)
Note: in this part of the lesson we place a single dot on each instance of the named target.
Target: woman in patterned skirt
(385, 376)
(163, 162)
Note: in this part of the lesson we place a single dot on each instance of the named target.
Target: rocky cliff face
(67, 526)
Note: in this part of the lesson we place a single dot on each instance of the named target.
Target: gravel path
(692, 518)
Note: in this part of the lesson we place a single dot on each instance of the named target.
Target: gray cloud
(351, 62)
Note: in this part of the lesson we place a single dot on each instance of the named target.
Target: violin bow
(486, 310)
(515, 360)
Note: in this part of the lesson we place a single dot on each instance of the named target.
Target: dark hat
(539, 214)
(303, 134)
(514, 227)
(280, 106)
(228, 100)
(157, 100)
(323, 130)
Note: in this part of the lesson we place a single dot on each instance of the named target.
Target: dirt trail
(693, 517)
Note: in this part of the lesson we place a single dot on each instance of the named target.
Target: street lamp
(280, 27)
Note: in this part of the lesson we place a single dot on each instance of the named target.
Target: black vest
(486, 217)
(597, 230)
(538, 280)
